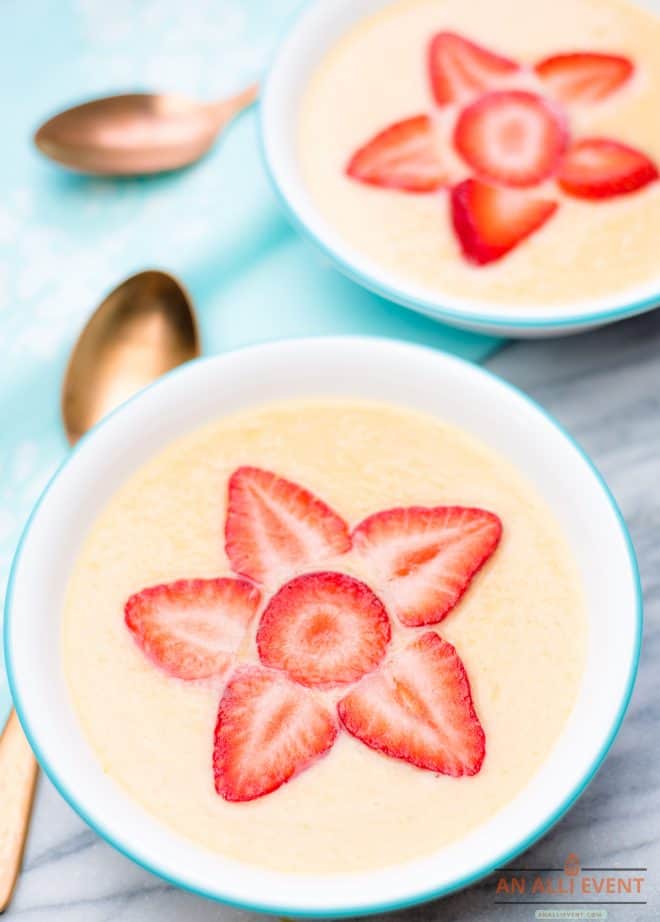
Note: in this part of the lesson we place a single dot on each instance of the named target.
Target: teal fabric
(66, 240)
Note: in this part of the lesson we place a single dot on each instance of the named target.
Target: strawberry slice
(489, 222)
(458, 68)
(423, 559)
(403, 156)
(274, 526)
(192, 628)
(268, 731)
(584, 76)
(601, 168)
(324, 629)
(513, 136)
(419, 708)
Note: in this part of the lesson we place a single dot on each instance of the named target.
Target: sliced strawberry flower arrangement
(301, 652)
(508, 128)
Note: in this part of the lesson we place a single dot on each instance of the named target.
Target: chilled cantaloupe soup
(425, 683)
(522, 165)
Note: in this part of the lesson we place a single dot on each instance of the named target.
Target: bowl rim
(67, 792)
(466, 313)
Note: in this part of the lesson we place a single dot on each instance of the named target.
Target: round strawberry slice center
(324, 629)
(513, 137)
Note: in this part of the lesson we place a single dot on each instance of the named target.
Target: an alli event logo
(581, 892)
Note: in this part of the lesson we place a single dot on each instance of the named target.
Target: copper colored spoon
(137, 133)
(144, 328)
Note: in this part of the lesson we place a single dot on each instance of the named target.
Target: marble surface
(603, 387)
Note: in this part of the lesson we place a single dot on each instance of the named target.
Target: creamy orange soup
(519, 630)
(376, 75)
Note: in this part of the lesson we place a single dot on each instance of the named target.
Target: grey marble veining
(604, 387)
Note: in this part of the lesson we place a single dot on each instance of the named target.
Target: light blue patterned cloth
(66, 240)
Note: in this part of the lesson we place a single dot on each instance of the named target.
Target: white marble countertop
(605, 388)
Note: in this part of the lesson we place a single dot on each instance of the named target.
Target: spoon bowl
(137, 133)
(144, 328)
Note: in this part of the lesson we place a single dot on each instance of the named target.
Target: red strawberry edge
(268, 731)
(459, 67)
(391, 520)
(402, 156)
(478, 137)
(148, 615)
(305, 511)
(324, 629)
(599, 168)
(484, 232)
(358, 711)
(584, 76)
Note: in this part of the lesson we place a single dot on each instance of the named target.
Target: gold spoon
(145, 327)
(142, 329)
(137, 133)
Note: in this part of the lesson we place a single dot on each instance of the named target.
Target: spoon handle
(18, 773)
(226, 109)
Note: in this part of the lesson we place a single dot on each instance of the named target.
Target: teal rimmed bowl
(314, 31)
(361, 368)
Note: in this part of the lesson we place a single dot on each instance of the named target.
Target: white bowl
(319, 26)
(407, 375)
